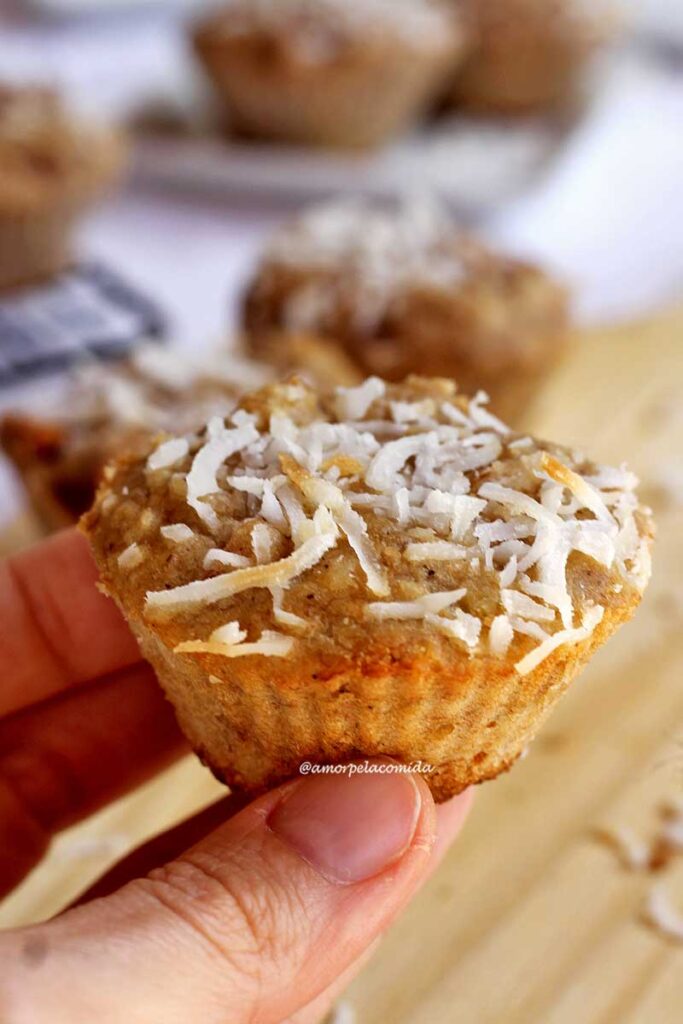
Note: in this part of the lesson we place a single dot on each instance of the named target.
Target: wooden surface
(529, 919)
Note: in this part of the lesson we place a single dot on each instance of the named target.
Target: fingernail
(349, 827)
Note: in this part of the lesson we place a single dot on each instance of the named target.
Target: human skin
(249, 912)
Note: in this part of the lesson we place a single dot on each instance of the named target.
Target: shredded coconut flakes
(591, 618)
(227, 585)
(168, 454)
(176, 532)
(415, 464)
(434, 551)
(228, 642)
(661, 915)
(131, 557)
(417, 609)
(501, 635)
(215, 556)
(201, 480)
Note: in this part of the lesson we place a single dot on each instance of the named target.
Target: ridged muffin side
(328, 73)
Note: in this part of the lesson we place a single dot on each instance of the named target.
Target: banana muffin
(384, 570)
(328, 72)
(60, 454)
(402, 290)
(527, 55)
(52, 167)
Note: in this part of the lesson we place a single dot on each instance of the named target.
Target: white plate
(473, 164)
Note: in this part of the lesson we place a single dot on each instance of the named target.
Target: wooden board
(530, 920)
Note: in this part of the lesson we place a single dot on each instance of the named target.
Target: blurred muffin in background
(329, 72)
(114, 407)
(110, 408)
(403, 291)
(527, 55)
(318, 360)
(52, 167)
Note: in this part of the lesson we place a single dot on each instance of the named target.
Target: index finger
(56, 629)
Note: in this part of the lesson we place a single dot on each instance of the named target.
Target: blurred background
(591, 190)
(579, 170)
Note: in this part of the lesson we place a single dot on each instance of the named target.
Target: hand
(245, 913)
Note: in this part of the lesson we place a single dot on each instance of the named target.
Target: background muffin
(60, 454)
(328, 72)
(404, 291)
(384, 571)
(51, 168)
(110, 408)
(527, 55)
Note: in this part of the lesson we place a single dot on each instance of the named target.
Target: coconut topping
(131, 556)
(229, 642)
(501, 635)
(168, 454)
(315, 29)
(177, 533)
(660, 913)
(209, 591)
(362, 258)
(282, 616)
(434, 551)
(150, 389)
(451, 484)
(428, 604)
(591, 619)
(216, 556)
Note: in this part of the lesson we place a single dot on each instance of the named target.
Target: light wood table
(530, 920)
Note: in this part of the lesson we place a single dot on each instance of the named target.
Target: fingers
(69, 756)
(58, 630)
(171, 844)
(253, 923)
(317, 1011)
(166, 847)
(450, 818)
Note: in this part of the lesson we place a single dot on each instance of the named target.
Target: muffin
(320, 360)
(402, 290)
(60, 454)
(527, 55)
(384, 570)
(52, 168)
(328, 72)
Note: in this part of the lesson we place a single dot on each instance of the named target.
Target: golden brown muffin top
(359, 263)
(45, 153)
(404, 512)
(577, 23)
(315, 31)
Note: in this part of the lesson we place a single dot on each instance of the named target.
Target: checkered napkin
(88, 310)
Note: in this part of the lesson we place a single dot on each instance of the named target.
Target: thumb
(249, 925)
